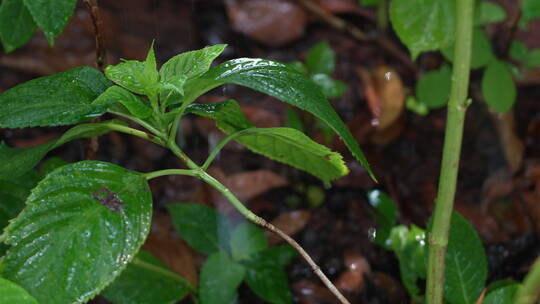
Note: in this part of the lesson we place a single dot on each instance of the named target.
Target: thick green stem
(154, 174)
(135, 132)
(529, 292)
(457, 106)
(164, 272)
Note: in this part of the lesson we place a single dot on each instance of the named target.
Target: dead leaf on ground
(346, 6)
(352, 280)
(290, 223)
(311, 293)
(389, 286)
(272, 23)
(498, 185)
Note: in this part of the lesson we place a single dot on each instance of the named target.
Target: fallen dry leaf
(311, 293)
(352, 280)
(290, 223)
(389, 286)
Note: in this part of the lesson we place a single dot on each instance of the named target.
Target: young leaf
(330, 87)
(17, 161)
(466, 263)
(489, 12)
(246, 240)
(321, 59)
(147, 280)
(134, 104)
(60, 99)
(424, 25)
(220, 277)
(277, 80)
(433, 88)
(129, 74)
(16, 24)
(481, 55)
(498, 87)
(268, 280)
(88, 219)
(386, 215)
(191, 64)
(51, 16)
(13, 293)
(502, 295)
(204, 229)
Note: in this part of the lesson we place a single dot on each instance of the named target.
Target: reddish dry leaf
(532, 203)
(247, 185)
(346, 6)
(32, 142)
(389, 286)
(272, 23)
(311, 293)
(352, 280)
(261, 117)
(498, 185)
(290, 223)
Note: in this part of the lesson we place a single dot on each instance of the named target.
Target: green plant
(83, 223)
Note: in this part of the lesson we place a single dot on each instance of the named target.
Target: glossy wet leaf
(481, 55)
(466, 263)
(247, 240)
(17, 161)
(81, 225)
(137, 106)
(489, 12)
(147, 280)
(200, 226)
(191, 64)
(423, 25)
(14, 294)
(128, 74)
(321, 59)
(502, 295)
(385, 214)
(60, 99)
(330, 87)
(51, 16)
(16, 24)
(220, 277)
(275, 79)
(498, 87)
(285, 145)
(433, 87)
(268, 280)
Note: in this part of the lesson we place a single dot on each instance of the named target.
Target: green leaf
(60, 99)
(150, 66)
(489, 12)
(204, 229)
(502, 295)
(530, 9)
(13, 293)
(482, 53)
(533, 59)
(498, 87)
(369, 3)
(128, 74)
(285, 145)
(424, 25)
(293, 120)
(519, 51)
(17, 161)
(433, 88)
(16, 24)
(51, 164)
(268, 280)
(191, 64)
(276, 80)
(81, 226)
(298, 66)
(134, 104)
(13, 194)
(321, 59)
(147, 280)
(386, 216)
(246, 240)
(330, 87)
(220, 277)
(281, 255)
(51, 16)
(466, 264)
(416, 107)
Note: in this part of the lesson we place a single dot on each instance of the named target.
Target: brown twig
(342, 25)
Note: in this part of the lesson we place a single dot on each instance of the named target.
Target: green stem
(220, 146)
(529, 292)
(154, 174)
(135, 132)
(164, 272)
(457, 106)
(141, 122)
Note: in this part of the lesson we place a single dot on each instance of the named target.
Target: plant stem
(154, 174)
(529, 292)
(165, 272)
(135, 132)
(457, 106)
(140, 122)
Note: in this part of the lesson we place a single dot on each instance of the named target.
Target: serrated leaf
(433, 88)
(466, 263)
(191, 64)
(481, 52)
(60, 99)
(147, 280)
(16, 24)
(330, 87)
(423, 25)
(13, 293)
(498, 87)
(489, 12)
(275, 79)
(17, 161)
(220, 277)
(530, 9)
(128, 74)
(268, 280)
(247, 240)
(51, 16)
(200, 226)
(134, 104)
(385, 215)
(321, 59)
(285, 145)
(81, 225)
(502, 295)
